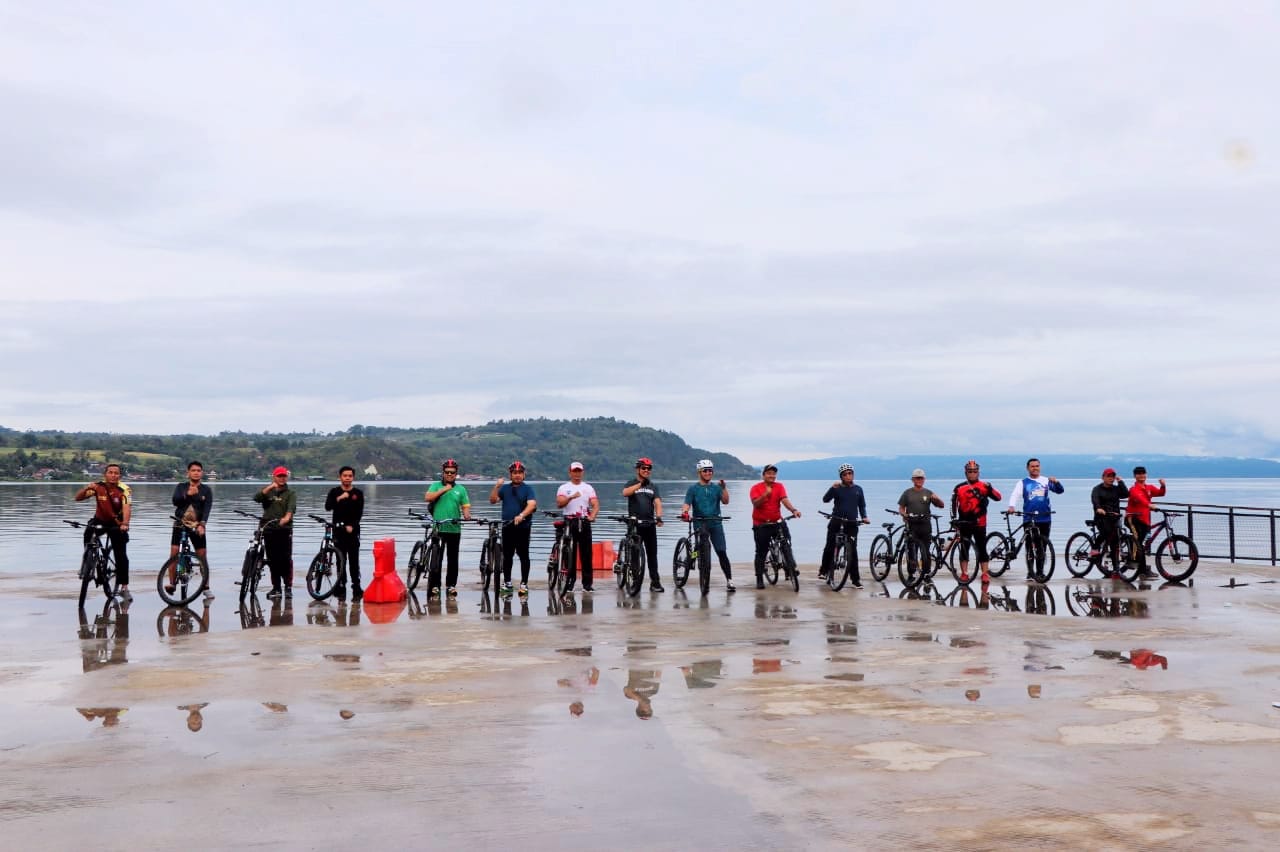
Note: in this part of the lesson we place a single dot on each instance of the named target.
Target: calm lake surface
(33, 538)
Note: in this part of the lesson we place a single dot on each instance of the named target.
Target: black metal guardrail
(1233, 533)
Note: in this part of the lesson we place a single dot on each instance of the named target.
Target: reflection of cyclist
(1138, 515)
(641, 687)
(346, 502)
(1106, 497)
(449, 500)
(578, 501)
(112, 511)
(914, 505)
(279, 502)
(1033, 491)
(849, 510)
(767, 499)
(969, 501)
(192, 502)
(518, 504)
(704, 499)
(644, 502)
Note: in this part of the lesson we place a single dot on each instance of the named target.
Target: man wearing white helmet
(705, 498)
(849, 511)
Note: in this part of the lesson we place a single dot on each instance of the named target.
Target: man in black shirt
(1106, 497)
(192, 502)
(644, 503)
(849, 511)
(347, 504)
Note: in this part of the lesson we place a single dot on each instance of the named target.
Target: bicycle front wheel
(553, 569)
(838, 570)
(433, 559)
(789, 564)
(1042, 574)
(250, 573)
(186, 574)
(772, 562)
(325, 573)
(1079, 554)
(999, 552)
(486, 564)
(880, 557)
(1177, 558)
(681, 563)
(910, 571)
(635, 567)
(88, 568)
(417, 564)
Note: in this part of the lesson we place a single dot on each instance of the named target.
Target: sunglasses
(645, 467)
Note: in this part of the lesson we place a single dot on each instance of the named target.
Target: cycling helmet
(514, 466)
(644, 461)
(449, 463)
(705, 464)
(971, 465)
(845, 468)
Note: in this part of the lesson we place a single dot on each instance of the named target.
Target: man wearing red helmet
(644, 502)
(448, 501)
(518, 506)
(969, 501)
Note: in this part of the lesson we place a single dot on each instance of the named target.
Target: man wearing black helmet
(518, 506)
(969, 501)
(849, 511)
(644, 503)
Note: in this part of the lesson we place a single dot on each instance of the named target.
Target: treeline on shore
(607, 446)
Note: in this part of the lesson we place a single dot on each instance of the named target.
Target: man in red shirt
(767, 499)
(1137, 515)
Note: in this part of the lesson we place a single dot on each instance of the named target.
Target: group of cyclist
(579, 504)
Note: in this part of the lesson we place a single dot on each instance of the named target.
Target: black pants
(278, 543)
(1139, 528)
(119, 548)
(971, 533)
(763, 535)
(922, 535)
(1109, 536)
(451, 542)
(649, 538)
(1035, 547)
(580, 534)
(829, 549)
(515, 540)
(349, 544)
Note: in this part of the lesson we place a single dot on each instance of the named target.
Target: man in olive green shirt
(279, 502)
(448, 501)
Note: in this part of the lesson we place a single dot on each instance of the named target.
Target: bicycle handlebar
(320, 520)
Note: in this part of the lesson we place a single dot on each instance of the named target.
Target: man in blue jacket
(1033, 491)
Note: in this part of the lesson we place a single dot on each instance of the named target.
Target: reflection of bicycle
(886, 548)
(251, 614)
(1091, 602)
(630, 564)
(844, 553)
(110, 634)
(328, 569)
(98, 564)
(255, 557)
(1003, 549)
(778, 557)
(184, 576)
(181, 621)
(694, 549)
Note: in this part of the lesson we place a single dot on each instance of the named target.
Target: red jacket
(1140, 500)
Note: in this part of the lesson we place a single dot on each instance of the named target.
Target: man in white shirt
(580, 505)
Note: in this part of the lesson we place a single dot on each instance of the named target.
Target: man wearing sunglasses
(644, 502)
(448, 501)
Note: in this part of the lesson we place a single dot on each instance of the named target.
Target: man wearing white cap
(914, 506)
(580, 505)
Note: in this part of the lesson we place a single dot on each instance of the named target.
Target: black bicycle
(98, 564)
(692, 549)
(183, 577)
(328, 569)
(630, 563)
(563, 552)
(255, 557)
(885, 548)
(1087, 550)
(912, 553)
(1176, 555)
(426, 556)
(844, 553)
(779, 559)
(491, 552)
(1003, 549)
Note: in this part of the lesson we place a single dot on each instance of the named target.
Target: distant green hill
(608, 447)
(1062, 466)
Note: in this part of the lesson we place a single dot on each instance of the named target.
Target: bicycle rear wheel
(325, 573)
(838, 570)
(1177, 558)
(880, 557)
(999, 551)
(189, 579)
(553, 569)
(487, 567)
(681, 563)
(635, 567)
(1038, 573)
(417, 565)
(1079, 554)
(88, 567)
(568, 555)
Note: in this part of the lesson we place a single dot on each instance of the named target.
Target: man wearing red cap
(1106, 497)
(279, 502)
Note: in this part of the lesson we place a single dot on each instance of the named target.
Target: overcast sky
(779, 230)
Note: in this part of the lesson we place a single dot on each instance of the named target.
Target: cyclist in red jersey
(969, 501)
(1137, 515)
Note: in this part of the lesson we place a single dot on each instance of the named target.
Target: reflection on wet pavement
(642, 685)
(110, 716)
(175, 621)
(105, 642)
(343, 658)
(275, 707)
(702, 674)
(195, 719)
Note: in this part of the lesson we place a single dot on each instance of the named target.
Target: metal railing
(1233, 533)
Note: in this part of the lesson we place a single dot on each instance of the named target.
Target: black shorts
(197, 541)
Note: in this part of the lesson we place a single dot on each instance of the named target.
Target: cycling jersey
(109, 507)
(771, 509)
(969, 501)
(449, 505)
(1108, 497)
(704, 500)
(1034, 494)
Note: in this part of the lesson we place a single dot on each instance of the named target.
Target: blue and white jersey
(1034, 494)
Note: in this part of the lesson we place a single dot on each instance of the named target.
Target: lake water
(33, 538)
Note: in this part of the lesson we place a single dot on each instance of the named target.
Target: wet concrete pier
(1078, 715)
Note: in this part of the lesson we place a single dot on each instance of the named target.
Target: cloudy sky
(783, 233)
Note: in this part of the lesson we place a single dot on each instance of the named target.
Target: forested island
(607, 446)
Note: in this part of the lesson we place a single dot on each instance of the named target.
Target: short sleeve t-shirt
(448, 505)
(580, 506)
(704, 500)
(771, 509)
(640, 504)
(514, 497)
(916, 503)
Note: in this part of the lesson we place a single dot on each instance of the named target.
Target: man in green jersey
(448, 501)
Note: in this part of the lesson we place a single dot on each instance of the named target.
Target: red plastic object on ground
(383, 613)
(602, 558)
(386, 586)
(1143, 658)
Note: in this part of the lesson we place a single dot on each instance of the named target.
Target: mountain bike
(255, 557)
(1086, 551)
(183, 577)
(1176, 555)
(779, 558)
(491, 552)
(912, 552)
(694, 549)
(1003, 549)
(885, 548)
(426, 556)
(630, 563)
(98, 564)
(844, 553)
(563, 552)
(328, 569)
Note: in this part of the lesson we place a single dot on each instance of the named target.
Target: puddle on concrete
(703, 674)
(575, 652)
(841, 631)
(853, 677)
(343, 658)
(966, 642)
(642, 685)
(904, 756)
(276, 707)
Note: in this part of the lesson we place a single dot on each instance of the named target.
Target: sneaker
(506, 590)
(822, 575)
(730, 587)
(168, 590)
(964, 576)
(452, 591)
(524, 590)
(434, 593)
(759, 583)
(357, 596)
(209, 595)
(855, 584)
(986, 577)
(588, 588)
(125, 595)
(656, 587)
(1147, 574)
(274, 595)
(288, 593)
